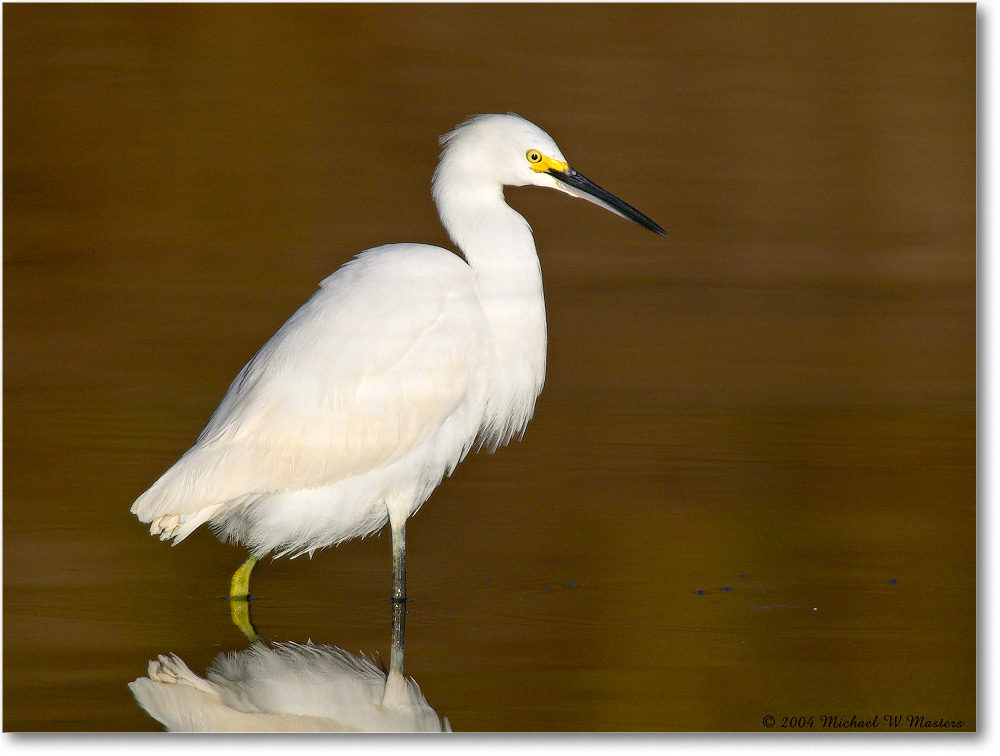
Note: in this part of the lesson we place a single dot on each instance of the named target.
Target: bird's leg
(240, 586)
(399, 562)
(398, 595)
(239, 599)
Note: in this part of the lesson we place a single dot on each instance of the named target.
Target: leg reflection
(398, 629)
(239, 612)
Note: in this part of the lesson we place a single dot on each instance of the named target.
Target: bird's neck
(498, 245)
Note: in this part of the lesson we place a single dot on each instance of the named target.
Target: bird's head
(493, 151)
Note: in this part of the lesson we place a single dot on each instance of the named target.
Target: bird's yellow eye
(542, 163)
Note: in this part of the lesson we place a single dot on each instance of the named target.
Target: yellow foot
(240, 587)
(239, 611)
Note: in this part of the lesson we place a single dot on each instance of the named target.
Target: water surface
(749, 487)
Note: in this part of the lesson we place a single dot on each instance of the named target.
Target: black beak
(575, 183)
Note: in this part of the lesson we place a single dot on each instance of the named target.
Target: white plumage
(378, 386)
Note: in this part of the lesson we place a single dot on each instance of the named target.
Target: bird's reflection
(288, 687)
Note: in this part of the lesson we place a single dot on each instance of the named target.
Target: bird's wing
(383, 354)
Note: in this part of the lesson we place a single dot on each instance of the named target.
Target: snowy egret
(380, 384)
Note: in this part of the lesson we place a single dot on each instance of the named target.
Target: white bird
(284, 687)
(380, 384)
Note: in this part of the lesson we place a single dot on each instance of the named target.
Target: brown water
(750, 485)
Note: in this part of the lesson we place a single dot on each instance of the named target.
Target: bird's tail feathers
(179, 527)
(174, 506)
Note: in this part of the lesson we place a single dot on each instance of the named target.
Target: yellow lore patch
(542, 163)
